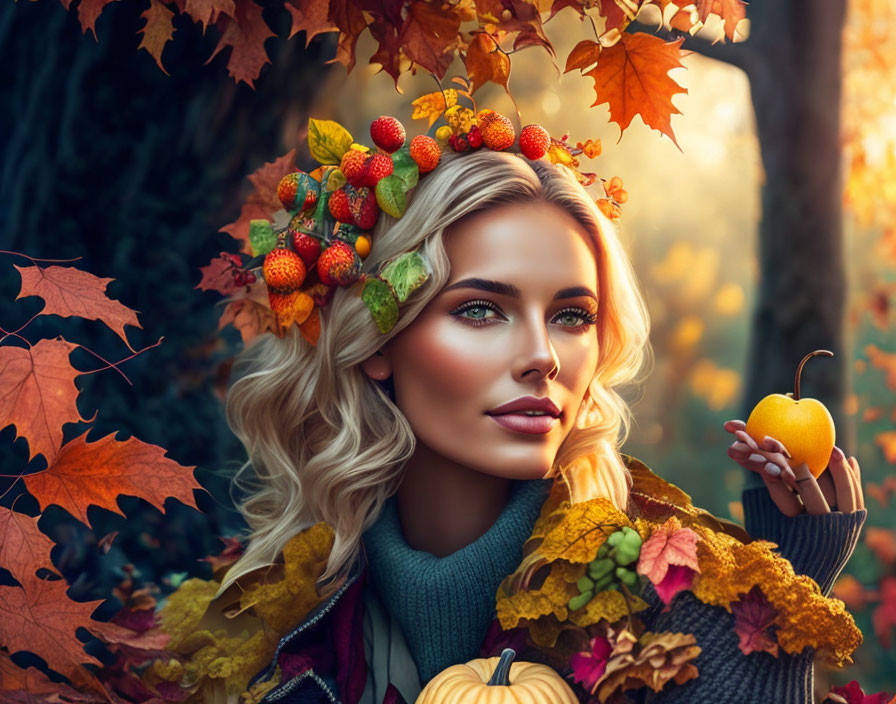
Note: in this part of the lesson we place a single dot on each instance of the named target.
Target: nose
(537, 357)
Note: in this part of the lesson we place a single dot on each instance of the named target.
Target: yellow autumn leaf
(608, 604)
(550, 598)
(582, 530)
(185, 608)
(432, 105)
(328, 140)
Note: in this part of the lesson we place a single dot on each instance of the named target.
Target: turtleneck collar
(445, 604)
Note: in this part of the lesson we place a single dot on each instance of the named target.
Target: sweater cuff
(818, 546)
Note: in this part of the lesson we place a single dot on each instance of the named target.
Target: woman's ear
(377, 366)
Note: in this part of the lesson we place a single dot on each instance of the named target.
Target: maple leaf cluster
(38, 396)
(630, 71)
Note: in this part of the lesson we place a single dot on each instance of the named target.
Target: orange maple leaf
(206, 11)
(24, 549)
(731, 12)
(485, 62)
(38, 394)
(43, 621)
(263, 202)
(34, 686)
(632, 76)
(89, 12)
(246, 33)
(217, 276)
(157, 31)
(68, 291)
(95, 473)
(251, 314)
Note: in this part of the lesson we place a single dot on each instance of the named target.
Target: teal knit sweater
(445, 604)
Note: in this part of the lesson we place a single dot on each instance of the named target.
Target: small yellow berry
(443, 134)
(362, 246)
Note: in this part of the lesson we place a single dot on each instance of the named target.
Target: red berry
(339, 264)
(426, 152)
(307, 247)
(474, 137)
(364, 208)
(387, 133)
(378, 166)
(339, 205)
(534, 141)
(461, 144)
(354, 166)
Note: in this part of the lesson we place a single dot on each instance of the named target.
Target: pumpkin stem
(501, 675)
(799, 370)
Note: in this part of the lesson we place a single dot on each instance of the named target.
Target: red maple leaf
(24, 549)
(207, 11)
(246, 33)
(311, 17)
(96, 473)
(669, 559)
(30, 686)
(68, 291)
(38, 394)
(217, 276)
(753, 618)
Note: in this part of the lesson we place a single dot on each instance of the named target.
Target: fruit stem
(799, 370)
(501, 675)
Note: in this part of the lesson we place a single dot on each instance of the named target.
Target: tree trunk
(794, 68)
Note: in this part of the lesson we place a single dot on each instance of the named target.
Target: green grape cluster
(613, 565)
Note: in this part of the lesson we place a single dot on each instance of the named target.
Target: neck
(444, 506)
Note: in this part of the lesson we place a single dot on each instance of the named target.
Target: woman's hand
(795, 490)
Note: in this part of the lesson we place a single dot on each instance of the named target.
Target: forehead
(532, 241)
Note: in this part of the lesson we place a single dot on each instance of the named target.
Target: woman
(431, 450)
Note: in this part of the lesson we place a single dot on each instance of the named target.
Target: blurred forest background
(107, 158)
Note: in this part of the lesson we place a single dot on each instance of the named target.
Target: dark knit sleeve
(726, 675)
(818, 546)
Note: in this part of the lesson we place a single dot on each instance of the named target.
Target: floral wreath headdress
(319, 240)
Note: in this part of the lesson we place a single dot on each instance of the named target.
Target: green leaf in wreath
(328, 140)
(379, 298)
(405, 274)
(405, 168)
(390, 192)
(261, 237)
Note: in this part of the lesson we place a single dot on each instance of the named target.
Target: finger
(826, 484)
(843, 479)
(809, 491)
(787, 502)
(776, 453)
(857, 485)
(757, 462)
(734, 425)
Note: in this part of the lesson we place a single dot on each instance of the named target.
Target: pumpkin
(804, 425)
(497, 680)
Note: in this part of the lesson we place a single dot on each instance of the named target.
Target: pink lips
(533, 425)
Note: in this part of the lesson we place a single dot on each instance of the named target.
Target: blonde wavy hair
(327, 443)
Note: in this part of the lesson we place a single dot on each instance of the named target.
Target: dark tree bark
(106, 158)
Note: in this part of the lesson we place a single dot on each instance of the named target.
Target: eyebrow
(505, 289)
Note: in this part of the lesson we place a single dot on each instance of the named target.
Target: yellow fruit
(803, 425)
(362, 246)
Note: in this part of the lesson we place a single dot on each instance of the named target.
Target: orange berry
(284, 270)
(426, 152)
(534, 141)
(362, 246)
(497, 131)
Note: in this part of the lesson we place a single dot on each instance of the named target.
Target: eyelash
(587, 316)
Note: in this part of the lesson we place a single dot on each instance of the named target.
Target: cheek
(439, 368)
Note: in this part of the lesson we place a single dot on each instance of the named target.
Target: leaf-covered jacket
(325, 658)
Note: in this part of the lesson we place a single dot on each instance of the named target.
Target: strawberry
(340, 207)
(307, 247)
(298, 185)
(497, 131)
(426, 152)
(378, 166)
(387, 133)
(284, 270)
(364, 208)
(339, 264)
(534, 141)
(354, 166)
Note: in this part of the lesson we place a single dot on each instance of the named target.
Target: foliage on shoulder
(586, 565)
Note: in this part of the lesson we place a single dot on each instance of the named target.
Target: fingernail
(773, 469)
(838, 453)
(756, 458)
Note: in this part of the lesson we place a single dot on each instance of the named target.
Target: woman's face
(516, 318)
